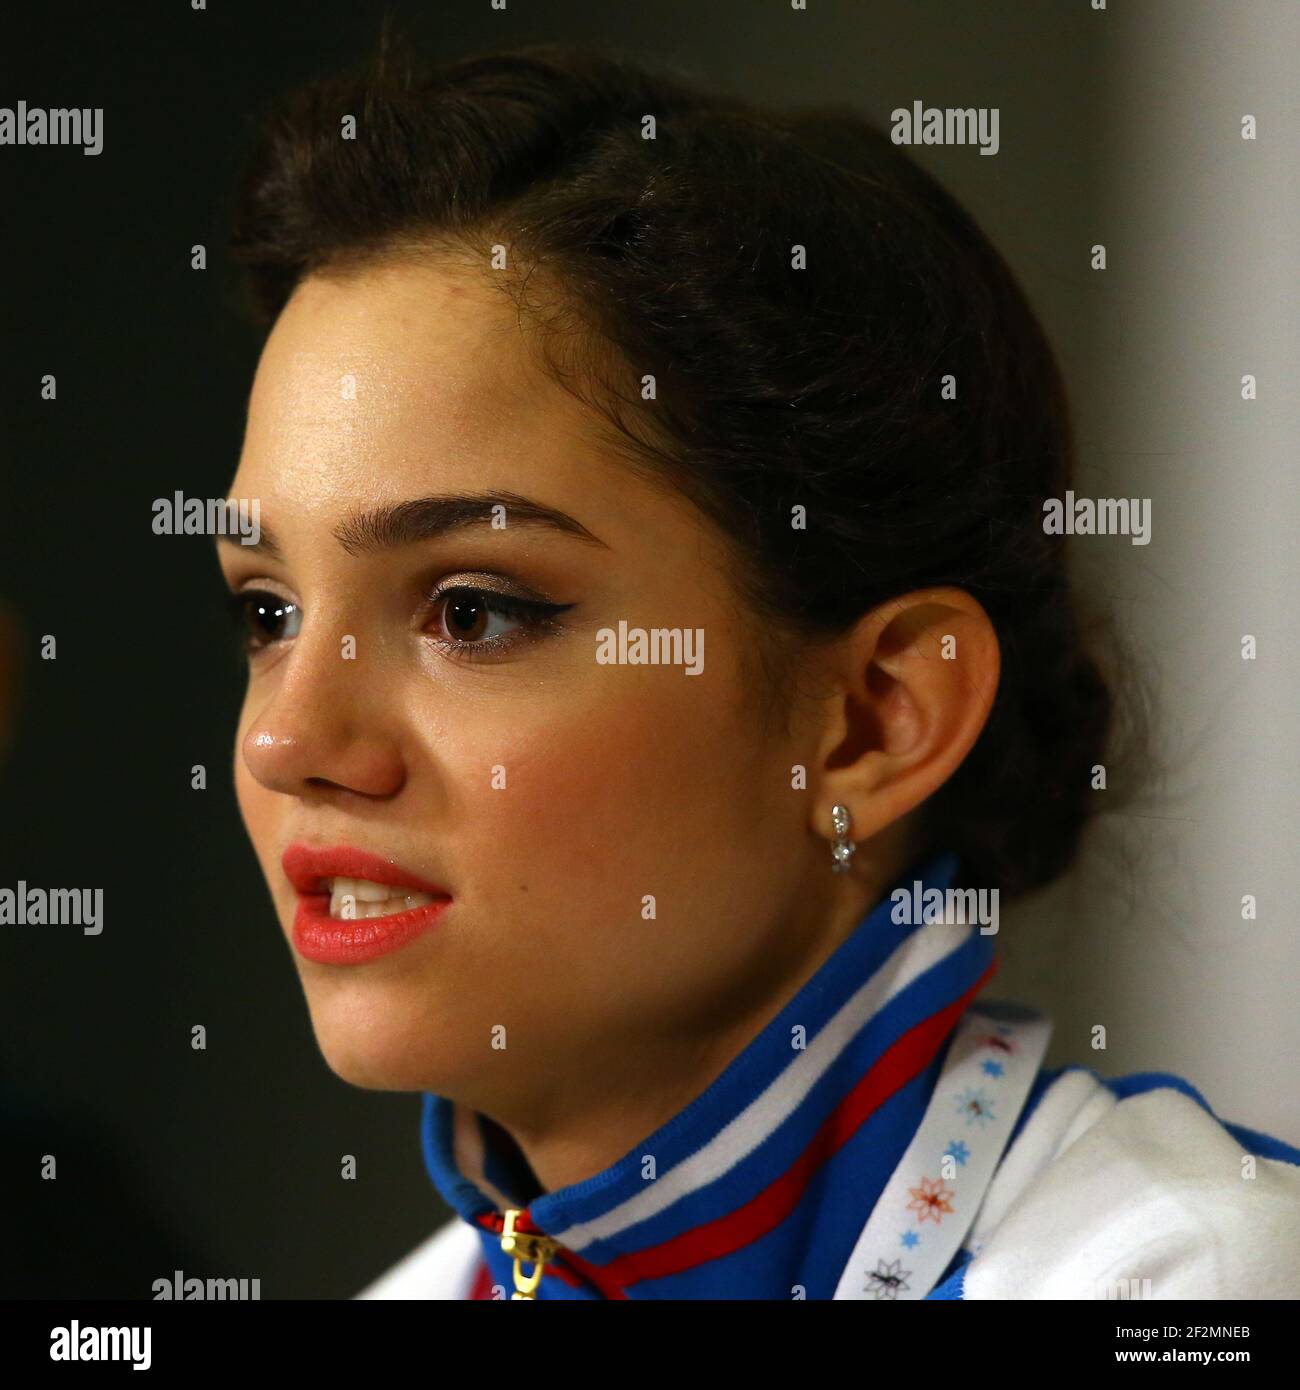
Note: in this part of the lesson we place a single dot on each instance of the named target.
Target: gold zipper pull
(526, 1247)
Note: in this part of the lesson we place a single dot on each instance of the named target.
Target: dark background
(226, 1162)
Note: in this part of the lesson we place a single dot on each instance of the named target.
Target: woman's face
(629, 868)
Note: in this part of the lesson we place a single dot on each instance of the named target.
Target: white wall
(1203, 235)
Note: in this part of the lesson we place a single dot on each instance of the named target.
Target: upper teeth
(360, 897)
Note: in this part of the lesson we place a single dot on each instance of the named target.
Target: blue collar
(759, 1187)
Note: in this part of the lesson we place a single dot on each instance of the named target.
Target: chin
(368, 1042)
(374, 1073)
(373, 1066)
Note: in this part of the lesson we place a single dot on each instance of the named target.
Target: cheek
(655, 790)
(610, 794)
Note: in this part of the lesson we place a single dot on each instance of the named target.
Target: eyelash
(536, 616)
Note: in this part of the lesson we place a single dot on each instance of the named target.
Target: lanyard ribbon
(931, 1201)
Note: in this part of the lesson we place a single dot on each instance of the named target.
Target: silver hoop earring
(841, 847)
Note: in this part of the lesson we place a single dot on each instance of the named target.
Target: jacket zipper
(526, 1245)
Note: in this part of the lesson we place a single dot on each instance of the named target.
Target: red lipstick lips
(342, 941)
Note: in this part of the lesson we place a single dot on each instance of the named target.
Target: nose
(325, 727)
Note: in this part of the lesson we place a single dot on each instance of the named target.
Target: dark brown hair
(776, 386)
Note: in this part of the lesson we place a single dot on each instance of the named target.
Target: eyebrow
(429, 518)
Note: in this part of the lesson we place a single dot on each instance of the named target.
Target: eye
(264, 618)
(465, 617)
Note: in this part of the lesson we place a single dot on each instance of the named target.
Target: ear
(913, 684)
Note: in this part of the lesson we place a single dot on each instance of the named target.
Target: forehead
(401, 363)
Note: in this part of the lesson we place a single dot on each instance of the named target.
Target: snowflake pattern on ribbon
(887, 1279)
(932, 1201)
(975, 1107)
